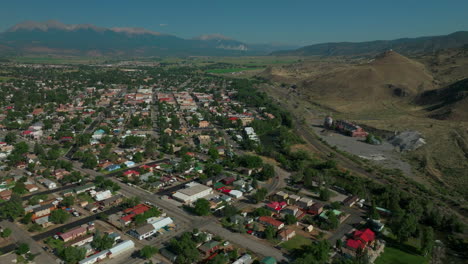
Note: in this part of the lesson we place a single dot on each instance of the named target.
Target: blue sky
(297, 22)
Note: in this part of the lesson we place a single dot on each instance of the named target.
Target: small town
(112, 164)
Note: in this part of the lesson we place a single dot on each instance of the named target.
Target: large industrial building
(192, 192)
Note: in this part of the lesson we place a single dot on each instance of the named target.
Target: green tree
(290, 219)
(68, 201)
(59, 216)
(260, 195)
(12, 209)
(72, 255)
(148, 251)
(324, 194)
(427, 241)
(373, 213)
(202, 207)
(102, 242)
(22, 249)
(10, 138)
(6, 232)
(270, 232)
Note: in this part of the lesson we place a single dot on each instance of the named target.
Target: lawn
(232, 70)
(395, 256)
(296, 243)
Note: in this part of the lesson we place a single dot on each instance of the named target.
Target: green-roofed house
(218, 185)
(209, 247)
(268, 260)
(324, 215)
(84, 188)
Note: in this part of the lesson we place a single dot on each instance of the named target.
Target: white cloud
(163, 25)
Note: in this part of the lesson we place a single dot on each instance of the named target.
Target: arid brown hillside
(450, 102)
(389, 76)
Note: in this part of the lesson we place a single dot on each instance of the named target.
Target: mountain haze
(54, 37)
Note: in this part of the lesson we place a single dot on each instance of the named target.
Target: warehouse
(192, 192)
(121, 248)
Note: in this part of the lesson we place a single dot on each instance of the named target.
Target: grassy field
(5, 78)
(396, 256)
(296, 243)
(230, 70)
(58, 60)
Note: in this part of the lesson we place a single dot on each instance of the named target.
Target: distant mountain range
(54, 37)
(406, 46)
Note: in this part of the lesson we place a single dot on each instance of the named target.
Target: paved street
(23, 236)
(207, 223)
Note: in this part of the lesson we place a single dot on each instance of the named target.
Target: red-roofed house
(131, 173)
(355, 244)
(361, 239)
(367, 236)
(132, 212)
(267, 220)
(74, 233)
(276, 206)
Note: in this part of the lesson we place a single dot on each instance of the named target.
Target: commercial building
(193, 192)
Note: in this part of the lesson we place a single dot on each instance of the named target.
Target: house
(203, 124)
(168, 254)
(244, 259)
(350, 200)
(102, 195)
(239, 184)
(84, 188)
(276, 206)
(236, 194)
(290, 210)
(6, 194)
(293, 198)
(132, 212)
(281, 196)
(315, 209)
(121, 248)
(304, 202)
(92, 207)
(268, 220)
(112, 167)
(324, 215)
(43, 221)
(209, 247)
(42, 210)
(48, 183)
(131, 173)
(81, 241)
(74, 233)
(143, 232)
(286, 234)
(360, 239)
(31, 187)
(114, 200)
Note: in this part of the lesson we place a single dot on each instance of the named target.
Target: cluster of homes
(83, 236)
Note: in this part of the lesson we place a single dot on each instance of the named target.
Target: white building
(159, 222)
(235, 193)
(143, 231)
(245, 259)
(192, 192)
(95, 258)
(103, 195)
(120, 248)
